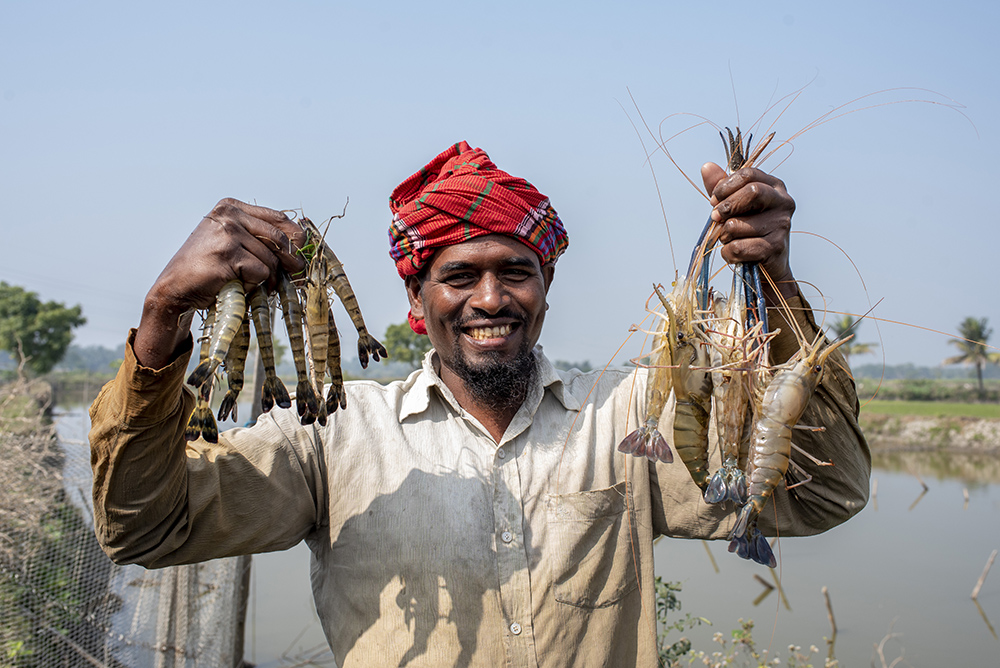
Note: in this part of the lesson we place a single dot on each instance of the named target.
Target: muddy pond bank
(962, 448)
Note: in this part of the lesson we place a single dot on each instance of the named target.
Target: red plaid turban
(460, 195)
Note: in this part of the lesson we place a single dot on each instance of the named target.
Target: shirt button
(506, 536)
(501, 453)
(515, 628)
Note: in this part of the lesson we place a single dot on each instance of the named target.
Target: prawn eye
(817, 368)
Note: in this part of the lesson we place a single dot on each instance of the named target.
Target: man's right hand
(235, 241)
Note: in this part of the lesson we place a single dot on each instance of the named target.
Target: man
(477, 513)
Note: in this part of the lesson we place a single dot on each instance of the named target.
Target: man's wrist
(162, 330)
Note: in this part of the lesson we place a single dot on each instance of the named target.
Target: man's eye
(516, 274)
(457, 279)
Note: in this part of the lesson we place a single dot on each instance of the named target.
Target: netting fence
(62, 601)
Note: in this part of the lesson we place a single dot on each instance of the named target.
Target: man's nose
(490, 295)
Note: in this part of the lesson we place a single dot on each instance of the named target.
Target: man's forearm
(137, 455)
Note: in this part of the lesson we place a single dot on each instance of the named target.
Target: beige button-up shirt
(432, 544)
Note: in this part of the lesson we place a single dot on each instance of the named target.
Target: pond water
(906, 565)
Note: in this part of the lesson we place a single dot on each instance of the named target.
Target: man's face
(482, 301)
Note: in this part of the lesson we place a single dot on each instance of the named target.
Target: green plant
(742, 650)
(737, 650)
(405, 345)
(670, 653)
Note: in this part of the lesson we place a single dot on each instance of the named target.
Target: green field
(931, 409)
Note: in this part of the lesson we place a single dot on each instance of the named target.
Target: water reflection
(975, 469)
(898, 577)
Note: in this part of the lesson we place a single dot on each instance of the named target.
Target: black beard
(501, 385)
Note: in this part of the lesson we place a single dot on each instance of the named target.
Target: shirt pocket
(592, 560)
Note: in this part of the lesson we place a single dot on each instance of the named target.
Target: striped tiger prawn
(306, 307)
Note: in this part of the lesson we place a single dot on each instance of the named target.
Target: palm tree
(844, 326)
(975, 333)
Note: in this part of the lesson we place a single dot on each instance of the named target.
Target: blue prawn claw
(648, 442)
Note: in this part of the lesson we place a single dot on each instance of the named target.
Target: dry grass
(32, 465)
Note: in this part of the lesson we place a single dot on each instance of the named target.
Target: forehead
(491, 249)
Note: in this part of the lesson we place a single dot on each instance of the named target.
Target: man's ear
(413, 286)
(548, 273)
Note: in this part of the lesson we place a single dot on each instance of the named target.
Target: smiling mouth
(484, 333)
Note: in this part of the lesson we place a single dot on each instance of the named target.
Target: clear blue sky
(123, 123)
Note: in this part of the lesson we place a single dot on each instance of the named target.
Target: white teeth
(490, 332)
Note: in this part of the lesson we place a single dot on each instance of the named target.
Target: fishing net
(62, 601)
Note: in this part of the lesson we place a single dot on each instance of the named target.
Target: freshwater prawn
(731, 362)
(647, 441)
(781, 407)
(226, 319)
(681, 356)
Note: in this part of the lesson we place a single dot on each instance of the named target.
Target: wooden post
(982, 578)
(829, 611)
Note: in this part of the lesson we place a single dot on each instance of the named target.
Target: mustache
(479, 316)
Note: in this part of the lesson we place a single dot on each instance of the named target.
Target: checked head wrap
(460, 195)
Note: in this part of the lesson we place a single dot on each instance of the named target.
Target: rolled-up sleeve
(161, 501)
